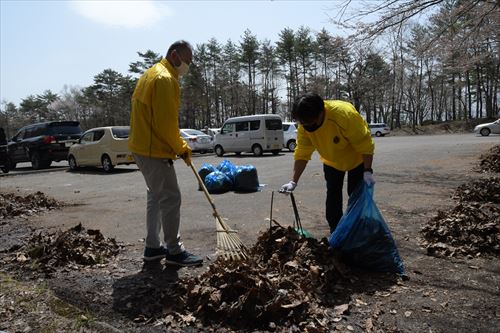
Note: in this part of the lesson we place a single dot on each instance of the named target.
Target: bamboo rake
(229, 245)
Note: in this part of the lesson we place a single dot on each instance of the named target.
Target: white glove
(288, 187)
(368, 178)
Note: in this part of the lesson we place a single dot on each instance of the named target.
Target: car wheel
(107, 165)
(378, 134)
(485, 131)
(72, 163)
(257, 150)
(219, 151)
(36, 161)
(291, 145)
(11, 165)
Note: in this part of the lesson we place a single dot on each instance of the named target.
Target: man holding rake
(155, 142)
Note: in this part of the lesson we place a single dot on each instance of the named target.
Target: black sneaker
(184, 259)
(151, 253)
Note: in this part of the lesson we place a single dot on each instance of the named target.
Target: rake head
(229, 245)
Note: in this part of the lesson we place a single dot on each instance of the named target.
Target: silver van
(256, 134)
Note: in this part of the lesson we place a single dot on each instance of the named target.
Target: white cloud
(128, 14)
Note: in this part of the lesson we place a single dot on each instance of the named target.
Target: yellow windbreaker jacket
(341, 140)
(154, 120)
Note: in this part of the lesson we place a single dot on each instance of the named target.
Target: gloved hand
(288, 187)
(186, 156)
(368, 178)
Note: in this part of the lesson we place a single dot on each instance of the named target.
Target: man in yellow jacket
(155, 142)
(343, 140)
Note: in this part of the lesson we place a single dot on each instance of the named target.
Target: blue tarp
(363, 237)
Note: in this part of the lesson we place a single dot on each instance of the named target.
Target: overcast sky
(50, 44)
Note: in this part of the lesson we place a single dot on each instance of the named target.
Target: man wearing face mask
(343, 140)
(155, 142)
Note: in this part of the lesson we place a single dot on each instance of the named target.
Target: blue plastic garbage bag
(363, 237)
(246, 179)
(204, 170)
(228, 168)
(218, 182)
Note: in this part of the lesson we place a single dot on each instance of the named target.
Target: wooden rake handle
(210, 200)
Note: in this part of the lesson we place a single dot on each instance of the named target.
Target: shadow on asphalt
(100, 171)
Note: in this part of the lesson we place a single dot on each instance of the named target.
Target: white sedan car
(197, 140)
(101, 146)
(486, 129)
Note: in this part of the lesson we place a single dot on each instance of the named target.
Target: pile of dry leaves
(490, 162)
(12, 205)
(472, 228)
(45, 252)
(287, 281)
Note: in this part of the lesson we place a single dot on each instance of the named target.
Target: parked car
(197, 140)
(4, 159)
(487, 128)
(257, 134)
(211, 131)
(379, 129)
(104, 147)
(290, 135)
(43, 143)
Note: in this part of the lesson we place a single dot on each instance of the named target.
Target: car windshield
(64, 129)
(121, 133)
(194, 132)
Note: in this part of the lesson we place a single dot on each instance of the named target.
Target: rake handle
(210, 200)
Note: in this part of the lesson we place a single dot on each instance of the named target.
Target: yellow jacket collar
(170, 68)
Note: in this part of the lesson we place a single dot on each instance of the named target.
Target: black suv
(43, 143)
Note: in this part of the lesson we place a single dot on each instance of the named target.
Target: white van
(257, 134)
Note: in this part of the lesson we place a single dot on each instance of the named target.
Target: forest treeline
(445, 69)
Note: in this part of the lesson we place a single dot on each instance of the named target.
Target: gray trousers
(163, 202)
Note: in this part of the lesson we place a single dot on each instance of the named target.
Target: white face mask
(182, 69)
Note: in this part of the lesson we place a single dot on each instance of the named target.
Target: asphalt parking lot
(411, 172)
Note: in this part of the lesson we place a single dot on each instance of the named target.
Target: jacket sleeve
(305, 148)
(356, 131)
(165, 105)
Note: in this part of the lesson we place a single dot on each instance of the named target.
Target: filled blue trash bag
(362, 236)
(218, 182)
(228, 168)
(246, 179)
(204, 170)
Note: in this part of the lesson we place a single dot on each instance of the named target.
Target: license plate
(130, 158)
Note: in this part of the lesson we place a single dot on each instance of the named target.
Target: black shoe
(151, 253)
(184, 259)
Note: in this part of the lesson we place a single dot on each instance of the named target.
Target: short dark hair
(308, 107)
(179, 46)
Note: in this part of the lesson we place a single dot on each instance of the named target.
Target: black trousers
(334, 184)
